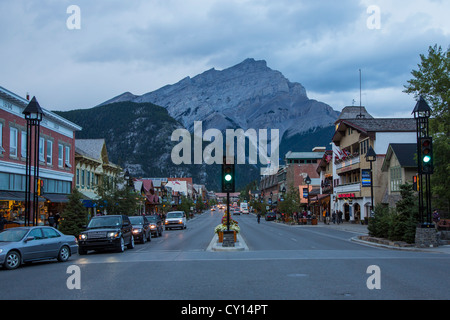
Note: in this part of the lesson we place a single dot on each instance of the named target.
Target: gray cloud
(139, 46)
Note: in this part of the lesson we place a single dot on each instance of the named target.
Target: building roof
(90, 147)
(367, 126)
(354, 113)
(383, 124)
(304, 155)
(405, 154)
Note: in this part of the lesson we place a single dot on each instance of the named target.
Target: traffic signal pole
(228, 211)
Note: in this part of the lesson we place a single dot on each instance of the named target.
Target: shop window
(23, 144)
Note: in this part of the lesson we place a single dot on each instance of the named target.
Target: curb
(409, 248)
(215, 246)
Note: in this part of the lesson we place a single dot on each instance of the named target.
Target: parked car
(175, 219)
(26, 244)
(106, 232)
(156, 225)
(236, 211)
(141, 229)
(270, 216)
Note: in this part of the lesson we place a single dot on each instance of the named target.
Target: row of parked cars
(27, 244)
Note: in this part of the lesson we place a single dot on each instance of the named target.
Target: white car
(175, 219)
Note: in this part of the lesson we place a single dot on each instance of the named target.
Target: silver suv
(175, 219)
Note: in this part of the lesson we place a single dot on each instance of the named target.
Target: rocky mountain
(138, 138)
(138, 129)
(247, 95)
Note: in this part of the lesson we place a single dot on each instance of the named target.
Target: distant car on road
(236, 211)
(175, 219)
(270, 216)
(156, 225)
(141, 229)
(26, 244)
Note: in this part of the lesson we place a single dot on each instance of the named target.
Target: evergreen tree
(74, 215)
(408, 213)
(432, 81)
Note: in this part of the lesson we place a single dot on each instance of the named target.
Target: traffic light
(426, 149)
(40, 186)
(228, 177)
(416, 184)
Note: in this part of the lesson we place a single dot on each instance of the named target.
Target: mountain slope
(248, 95)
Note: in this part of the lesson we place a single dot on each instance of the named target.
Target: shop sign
(365, 175)
(346, 195)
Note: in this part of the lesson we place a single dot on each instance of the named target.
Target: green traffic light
(228, 177)
(426, 159)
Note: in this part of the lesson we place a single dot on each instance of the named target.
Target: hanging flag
(337, 151)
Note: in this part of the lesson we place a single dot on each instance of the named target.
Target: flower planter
(220, 234)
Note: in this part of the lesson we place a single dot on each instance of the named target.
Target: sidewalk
(362, 231)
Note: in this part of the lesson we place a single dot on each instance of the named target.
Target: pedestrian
(57, 217)
(436, 218)
(259, 217)
(333, 216)
(327, 216)
(51, 220)
(3, 221)
(340, 216)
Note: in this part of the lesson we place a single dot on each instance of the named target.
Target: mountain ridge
(247, 95)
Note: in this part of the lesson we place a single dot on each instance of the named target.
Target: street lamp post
(308, 182)
(422, 113)
(371, 156)
(33, 115)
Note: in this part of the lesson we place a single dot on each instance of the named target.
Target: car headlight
(152, 226)
(1, 250)
(114, 234)
(180, 221)
(166, 222)
(137, 230)
(82, 236)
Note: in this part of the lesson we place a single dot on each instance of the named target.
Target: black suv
(106, 232)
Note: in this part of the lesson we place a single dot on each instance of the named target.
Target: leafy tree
(291, 201)
(116, 200)
(186, 204)
(74, 215)
(199, 205)
(432, 81)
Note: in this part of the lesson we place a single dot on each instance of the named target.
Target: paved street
(282, 262)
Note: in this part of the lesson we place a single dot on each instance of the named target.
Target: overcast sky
(142, 45)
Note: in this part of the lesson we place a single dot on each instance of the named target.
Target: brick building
(56, 159)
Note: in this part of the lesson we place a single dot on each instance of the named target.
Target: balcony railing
(348, 162)
(353, 187)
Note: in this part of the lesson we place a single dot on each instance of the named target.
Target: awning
(15, 196)
(56, 197)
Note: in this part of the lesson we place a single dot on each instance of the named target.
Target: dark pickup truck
(106, 232)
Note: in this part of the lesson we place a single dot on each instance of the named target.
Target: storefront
(12, 208)
(353, 207)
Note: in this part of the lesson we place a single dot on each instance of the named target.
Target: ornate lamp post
(422, 113)
(308, 182)
(33, 114)
(371, 156)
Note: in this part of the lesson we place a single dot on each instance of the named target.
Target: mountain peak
(247, 95)
(252, 63)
